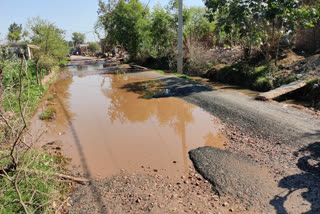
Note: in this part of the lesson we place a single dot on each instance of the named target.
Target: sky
(69, 15)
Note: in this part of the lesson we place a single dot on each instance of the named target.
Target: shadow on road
(309, 179)
(172, 87)
(96, 194)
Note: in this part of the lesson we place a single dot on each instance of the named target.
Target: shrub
(262, 84)
(48, 114)
(63, 63)
(51, 97)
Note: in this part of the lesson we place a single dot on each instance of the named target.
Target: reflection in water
(168, 112)
(119, 130)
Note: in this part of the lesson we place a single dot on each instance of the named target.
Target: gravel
(149, 193)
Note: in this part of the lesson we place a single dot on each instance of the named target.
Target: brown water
(226, 87)
(105, 127)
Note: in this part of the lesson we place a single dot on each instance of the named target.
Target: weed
(51, 97)
(160, 71)
(48, 114)
(314, 81)
(262, 84)
(183, 76)
(50, 103)
(38, 186)
(63, 63)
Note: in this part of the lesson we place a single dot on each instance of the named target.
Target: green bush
(242, 74)
(11, 83)
(63, 63)
(262, 84)
(278, 81)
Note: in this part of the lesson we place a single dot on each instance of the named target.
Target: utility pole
(180, 26)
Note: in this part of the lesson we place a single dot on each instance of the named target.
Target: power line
(147, 5)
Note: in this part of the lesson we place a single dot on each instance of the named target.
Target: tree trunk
(40, 77)
(1, 92)
(37, 72)
(278, 45)
(247, 52)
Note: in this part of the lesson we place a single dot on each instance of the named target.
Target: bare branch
(20, 198)
(61, 205)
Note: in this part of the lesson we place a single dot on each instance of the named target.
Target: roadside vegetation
(48, 114)
(250, 42)
(28, 182)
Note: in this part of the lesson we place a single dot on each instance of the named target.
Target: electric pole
(180, 26)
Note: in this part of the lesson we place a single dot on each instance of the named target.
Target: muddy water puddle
(104, 126)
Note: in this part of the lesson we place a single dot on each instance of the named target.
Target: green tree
(262, 22)
(93, 47)
(15, 32)
(128, 26)
(162, 32)
(50, 39)
(78, 38)
(198, 24)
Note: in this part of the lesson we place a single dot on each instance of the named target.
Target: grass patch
(183, 76)
(160, 71)
(63, 63)
(50, 97)
(314, 81)
(50, 103)
(48, 114)
(38, 186)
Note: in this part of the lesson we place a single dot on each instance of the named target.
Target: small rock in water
(155, 170)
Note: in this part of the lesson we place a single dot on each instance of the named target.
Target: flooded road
(104, 125)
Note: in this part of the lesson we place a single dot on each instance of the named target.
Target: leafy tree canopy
(15, 32)
(49, 38)
(78, 38)
(93, 47)
(127, 25)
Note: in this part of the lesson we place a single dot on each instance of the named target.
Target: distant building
(82, 49)
(29, 51)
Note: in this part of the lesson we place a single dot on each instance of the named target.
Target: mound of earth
(236, 175)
